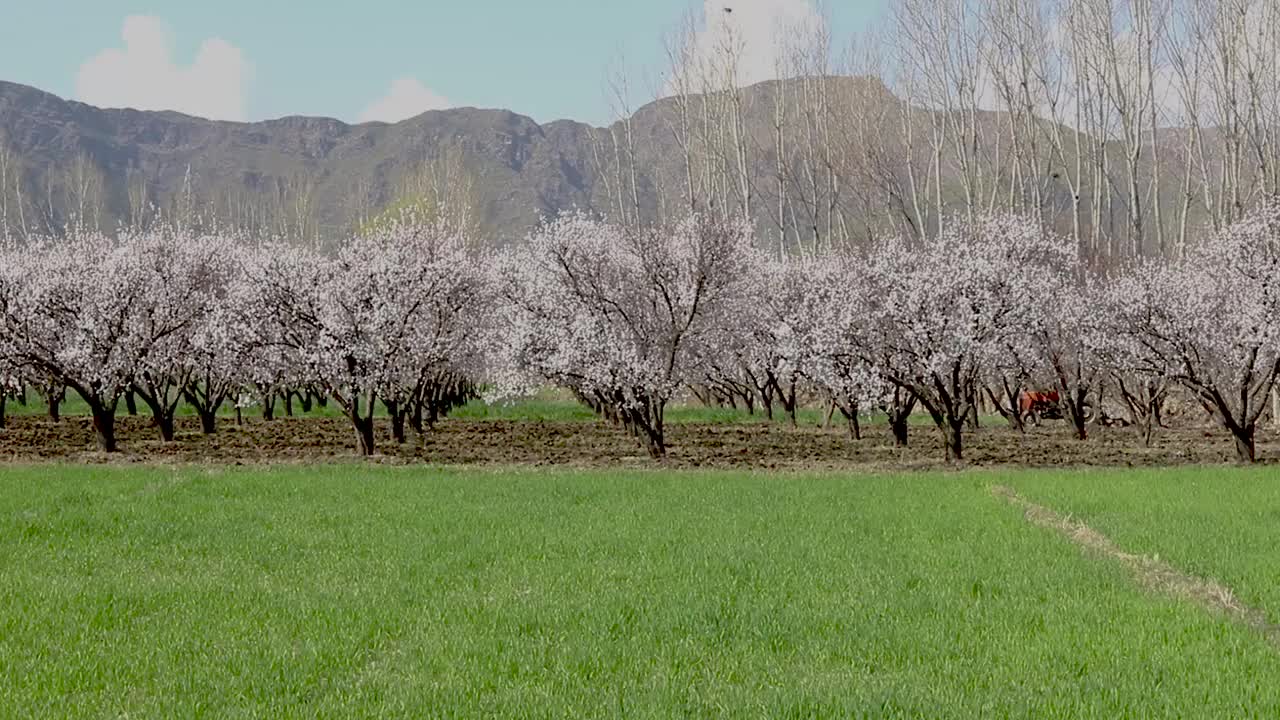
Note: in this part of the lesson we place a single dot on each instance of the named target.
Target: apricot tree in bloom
(186, 276)
(754, 357)
(1060, 344)
(837, 335)
(395, 304)
(10, 387)
(783, 350)
(1211, 323)
(1069, 340)
(11, 282)
(74, 313)
(218, 362)
(947, 309)
(614, 313)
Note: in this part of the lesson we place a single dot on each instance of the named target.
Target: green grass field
(1216, 523)
(387, 592)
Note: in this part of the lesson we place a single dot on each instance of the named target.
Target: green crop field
(1215, 523)
(356, 590)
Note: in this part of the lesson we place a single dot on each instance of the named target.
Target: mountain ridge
(521, 164)
(320, 176)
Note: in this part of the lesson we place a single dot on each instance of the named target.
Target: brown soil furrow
(764, 446)
(1149, 572)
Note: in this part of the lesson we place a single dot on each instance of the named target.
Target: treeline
(1127, 125)
(412, 315)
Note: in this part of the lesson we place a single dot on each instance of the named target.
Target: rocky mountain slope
(72, 159)
(520, 169)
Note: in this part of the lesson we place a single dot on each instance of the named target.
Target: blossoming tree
(394, 305)
(613, 313)
(74, 315)
(1211, 323)
(954, 305)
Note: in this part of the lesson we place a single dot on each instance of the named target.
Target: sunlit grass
(382, 592)
(1213, 522)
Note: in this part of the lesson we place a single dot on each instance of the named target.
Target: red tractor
(1037, 405)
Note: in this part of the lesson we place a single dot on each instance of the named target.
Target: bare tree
(442, 187)
(613, 150)
(12, 213)
(710, 120)
(86, 187)
(141, 207)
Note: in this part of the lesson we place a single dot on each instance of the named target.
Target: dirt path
(1149, 572)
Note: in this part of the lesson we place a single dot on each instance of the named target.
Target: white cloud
(143, 74)
(754, 31)
(405, 99)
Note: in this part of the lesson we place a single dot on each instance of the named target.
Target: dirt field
(595, 444)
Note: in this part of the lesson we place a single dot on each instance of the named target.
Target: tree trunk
(364, 433)
(703, 394)
(950, 421)
(268, 406)
(55, 407)
(4, 401)
(207, 405)
(1013, 411)
(288, 403)
(104, 425)
(162, 417)
(397, 428)
(397, 413)
(131, 403)
(1077, 421)
(239, 416)
(1244, 443)
(304, 399)
(164, 423)
(899, 412)
(851, 417)
(971, 415)
(900, 428)
(654, 442)
(1075, 411)
(1148, 421)
(953, 438)
(415, 418)
(653, 427)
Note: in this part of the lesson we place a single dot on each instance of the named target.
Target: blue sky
(380, 59)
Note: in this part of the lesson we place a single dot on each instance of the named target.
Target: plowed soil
(596, 444)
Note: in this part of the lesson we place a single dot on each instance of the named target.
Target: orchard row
(415, 317)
